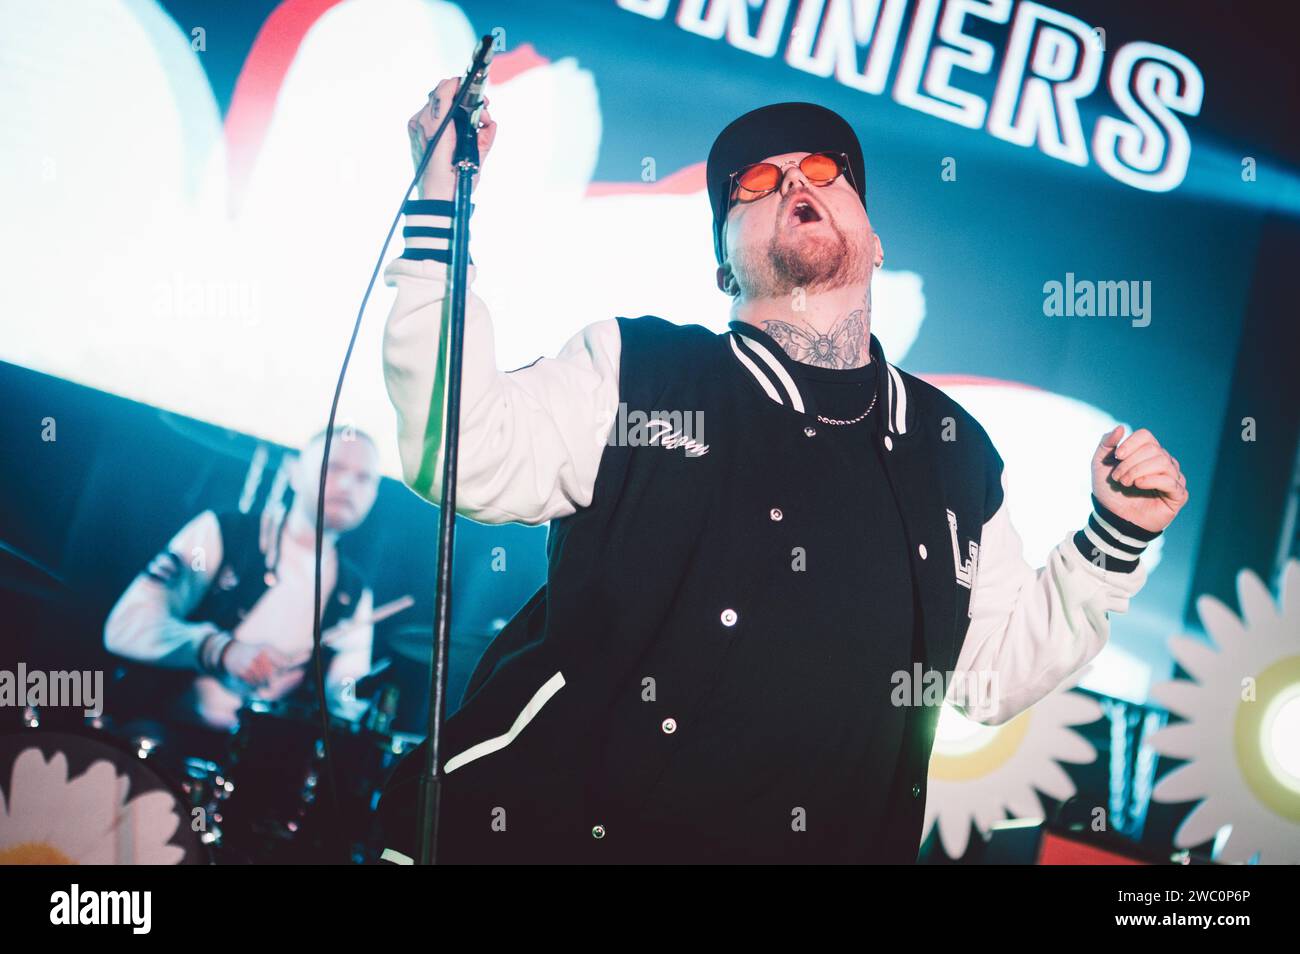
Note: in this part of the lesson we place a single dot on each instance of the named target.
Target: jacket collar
(775, 372)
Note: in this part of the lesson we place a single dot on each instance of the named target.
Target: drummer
(230, 599)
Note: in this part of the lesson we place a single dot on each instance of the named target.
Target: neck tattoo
(843, 346)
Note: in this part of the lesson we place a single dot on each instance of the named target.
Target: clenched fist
(439, 180)
(1137, 479)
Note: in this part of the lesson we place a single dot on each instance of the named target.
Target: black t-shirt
(840, 394)
(793, 737)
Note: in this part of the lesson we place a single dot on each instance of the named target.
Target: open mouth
(803, 212)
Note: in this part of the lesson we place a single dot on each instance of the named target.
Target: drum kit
(126, 789)
(279, 810)
(265, 803)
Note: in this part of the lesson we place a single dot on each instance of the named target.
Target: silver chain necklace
(862, 416)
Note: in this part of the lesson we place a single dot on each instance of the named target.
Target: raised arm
(531, 439)
(1032, 629)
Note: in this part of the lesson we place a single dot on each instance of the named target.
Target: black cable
(331, 786)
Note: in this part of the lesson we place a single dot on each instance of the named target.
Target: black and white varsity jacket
(656, 451)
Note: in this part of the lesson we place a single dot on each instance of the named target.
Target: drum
(278, 809)
(83, 797)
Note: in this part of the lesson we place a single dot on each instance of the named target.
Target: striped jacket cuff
(210, 650)
(1111, 542)
(427, 230)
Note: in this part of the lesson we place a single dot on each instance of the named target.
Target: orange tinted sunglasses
(761, 178)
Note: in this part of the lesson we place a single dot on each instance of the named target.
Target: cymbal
(412, 642)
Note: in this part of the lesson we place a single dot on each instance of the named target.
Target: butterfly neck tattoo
(843, 346)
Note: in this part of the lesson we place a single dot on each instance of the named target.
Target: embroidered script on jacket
(669, 429)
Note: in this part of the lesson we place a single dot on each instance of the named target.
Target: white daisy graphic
(50, 819)
(1241, 737)
(980, 774)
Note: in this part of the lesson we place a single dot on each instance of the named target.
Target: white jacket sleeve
(1032, 629)
(148, 621)
(531, 440)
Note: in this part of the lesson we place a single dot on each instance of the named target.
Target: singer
(719, 667)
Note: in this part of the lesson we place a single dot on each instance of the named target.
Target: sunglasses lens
(760, 177)
(819, 167)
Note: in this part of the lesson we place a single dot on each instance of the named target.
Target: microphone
(476, 77)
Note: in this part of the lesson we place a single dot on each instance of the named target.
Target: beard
(814, 262)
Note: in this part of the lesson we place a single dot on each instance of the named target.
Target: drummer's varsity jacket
(659, 453)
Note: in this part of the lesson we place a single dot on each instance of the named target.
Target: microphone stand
(466, 163)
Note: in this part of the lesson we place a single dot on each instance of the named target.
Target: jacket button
(729, 617)
(889, 443)
(775, 513)
(921, 550)
(598, 832)
(669, 726)
(810, 432)
(916, 791)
